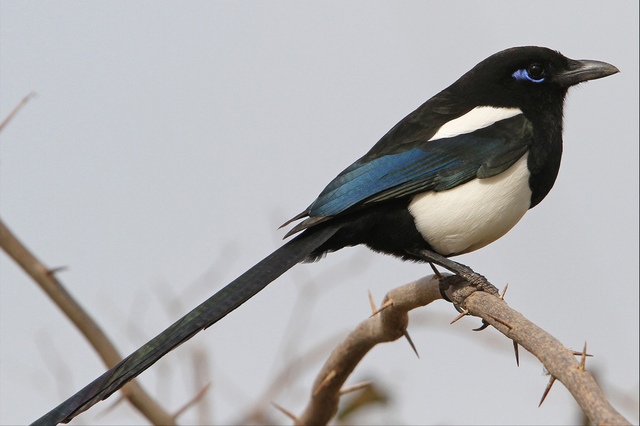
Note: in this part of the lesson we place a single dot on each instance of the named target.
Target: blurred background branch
(46, 279)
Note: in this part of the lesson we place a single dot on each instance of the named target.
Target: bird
(450, 178)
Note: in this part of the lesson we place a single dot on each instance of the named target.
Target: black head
(534, 79)
(530, 78)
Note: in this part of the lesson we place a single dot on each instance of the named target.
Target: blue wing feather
(431, 166)
(363, 180)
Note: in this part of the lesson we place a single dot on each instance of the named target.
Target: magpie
(451, 177)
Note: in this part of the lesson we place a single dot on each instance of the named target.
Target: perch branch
(391, 324)
(559, 361)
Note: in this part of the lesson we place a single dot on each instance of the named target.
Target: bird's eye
(534, 73)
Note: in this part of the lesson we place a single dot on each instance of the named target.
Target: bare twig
(16, 109)
(285, 411)
(291, 372)
(87, 326)
(193, 401)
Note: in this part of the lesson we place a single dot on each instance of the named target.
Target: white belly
(474, 214)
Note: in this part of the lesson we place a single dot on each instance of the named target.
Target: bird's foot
(476, 280)
(481, 283)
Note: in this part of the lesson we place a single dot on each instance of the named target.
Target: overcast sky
(169, 140)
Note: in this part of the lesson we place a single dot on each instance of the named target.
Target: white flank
(477, 118)
(472, 215)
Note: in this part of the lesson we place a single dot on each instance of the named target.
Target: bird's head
(530, 78)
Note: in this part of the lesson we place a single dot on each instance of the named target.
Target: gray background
(169, 140)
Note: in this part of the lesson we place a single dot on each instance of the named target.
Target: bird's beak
(584, 70)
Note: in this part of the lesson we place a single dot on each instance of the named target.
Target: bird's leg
(475, 279)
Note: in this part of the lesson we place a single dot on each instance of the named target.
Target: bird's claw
(484, 325)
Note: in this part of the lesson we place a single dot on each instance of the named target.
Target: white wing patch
(474, 214)
(477, 118)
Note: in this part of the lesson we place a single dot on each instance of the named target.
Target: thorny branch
(390, 324)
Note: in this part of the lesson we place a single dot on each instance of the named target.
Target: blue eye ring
(535, 73)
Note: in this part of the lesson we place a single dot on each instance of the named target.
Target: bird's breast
(474, 214)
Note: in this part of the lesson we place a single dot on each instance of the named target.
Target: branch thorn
(501, 321)
(373, 304)
(384, 306)
(355, 387)
(515, 349)
(506, 286)
(546, 391)
(462, 314)
(583, 361)
(325, 382)
(57, 269)
(285, 412)
(406, 334)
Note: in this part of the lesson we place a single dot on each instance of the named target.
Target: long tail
(203, 316)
